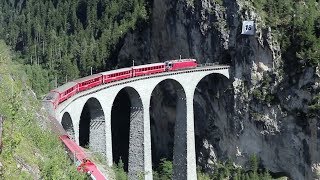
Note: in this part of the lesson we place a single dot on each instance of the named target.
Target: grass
(30, 150)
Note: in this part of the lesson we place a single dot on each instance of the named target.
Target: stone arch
(211, 111)
(67, 124)
(92, 126)
(127, 130)
(168, 118)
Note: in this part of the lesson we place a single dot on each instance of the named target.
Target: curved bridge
(87, 117)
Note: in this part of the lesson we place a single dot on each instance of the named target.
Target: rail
(203, 67)
(96, 174)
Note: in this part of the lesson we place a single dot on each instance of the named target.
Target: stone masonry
(140, 90)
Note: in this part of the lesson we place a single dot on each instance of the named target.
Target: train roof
(182, 60)
(115, 71)
(148, 65)
(87, 78)
(64, 87)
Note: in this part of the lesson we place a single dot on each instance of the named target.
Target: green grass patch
(29, 151)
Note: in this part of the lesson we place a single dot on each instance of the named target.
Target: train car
(148, 69)
(88, 82)
(116, 75)
(84, 165)
(174, 65)
(53, 98)
(66, 91)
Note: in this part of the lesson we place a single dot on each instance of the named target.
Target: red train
(84, 165)
(69, 89)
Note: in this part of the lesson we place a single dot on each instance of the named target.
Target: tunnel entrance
(67, 124)
(167, 110)
(92, 127)
(127, 131)
(211, 111)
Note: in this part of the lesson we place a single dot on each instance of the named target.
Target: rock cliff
(263, 109)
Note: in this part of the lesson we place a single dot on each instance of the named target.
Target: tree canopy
(68, 37)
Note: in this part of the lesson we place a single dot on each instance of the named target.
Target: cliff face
(263, 109)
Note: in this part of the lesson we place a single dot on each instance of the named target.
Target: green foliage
(257, 94)
(119, 171)
(67, 38)
(24, 142)
(314, 106)
(297, 23)
(202, 175)
(164, 171)
(39, 79)
(227, 170)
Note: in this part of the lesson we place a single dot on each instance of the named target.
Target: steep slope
(29, 150)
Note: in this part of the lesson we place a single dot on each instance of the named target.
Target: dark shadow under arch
(67, 124)
(212, 105)
(127, 130)
(167, 121)
(92, 127)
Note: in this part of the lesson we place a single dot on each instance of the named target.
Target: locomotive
(64, 92)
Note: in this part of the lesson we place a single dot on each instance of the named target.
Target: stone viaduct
(97, 131)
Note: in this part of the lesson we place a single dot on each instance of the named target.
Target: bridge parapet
(140, 141)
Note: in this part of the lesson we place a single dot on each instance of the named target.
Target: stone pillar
(147, 140)
(180, 141)
(76, 120)
(97, 135)
(107, 107)
(136, 145)
(191, 149)
(184, 157)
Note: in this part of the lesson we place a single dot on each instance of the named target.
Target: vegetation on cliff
(298, 26)
(29, 150)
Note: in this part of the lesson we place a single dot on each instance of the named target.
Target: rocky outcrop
(263, 109)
